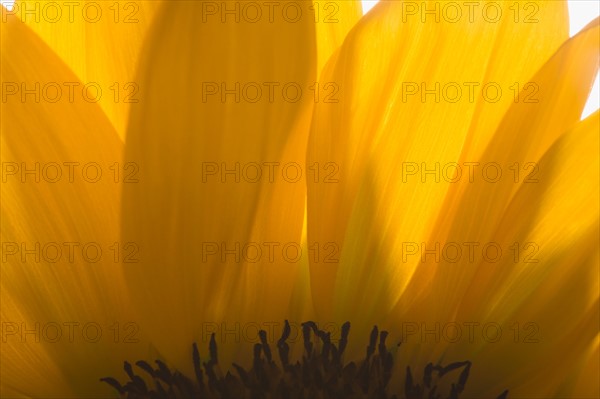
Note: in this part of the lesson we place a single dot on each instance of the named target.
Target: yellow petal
(550, 282)
(379, 127)
(185, 140)
(587, 386)
(474, 208)
(541, 214)
(99, 41)
(54, 203)
(27, 369)
(527, 131)
(334, 19)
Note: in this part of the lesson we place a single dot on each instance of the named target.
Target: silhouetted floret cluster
(321, 374)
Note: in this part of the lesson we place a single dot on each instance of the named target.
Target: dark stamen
(197, 367)
(319, 374)
(265, 345)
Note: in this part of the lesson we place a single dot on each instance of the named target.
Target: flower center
(321, 373)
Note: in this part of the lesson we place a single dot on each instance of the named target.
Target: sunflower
(181, 178)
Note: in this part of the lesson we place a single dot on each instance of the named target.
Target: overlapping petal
(386, 123)
(334, 19)
(212, 175)
(554, 225)
(545, 222)
(58, 197)
(474, 209)
(99, 40)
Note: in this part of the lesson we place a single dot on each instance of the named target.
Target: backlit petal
(379, 128)
(191, 206)
(334, 19)
(473, 210)
(99, 40)
(549, 284)
(55, 203)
